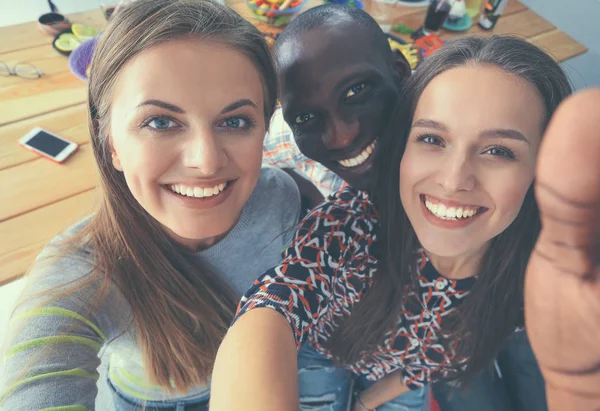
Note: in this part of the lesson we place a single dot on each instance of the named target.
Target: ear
(401, 65)
(116, 161)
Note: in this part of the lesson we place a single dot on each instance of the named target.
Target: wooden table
(39, 198)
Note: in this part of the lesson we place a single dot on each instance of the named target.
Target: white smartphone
(48, 145)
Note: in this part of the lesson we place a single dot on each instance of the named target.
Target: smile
(453, 212)
(197, 191)
(360, 158)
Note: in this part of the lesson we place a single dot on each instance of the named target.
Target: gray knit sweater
(52, 351)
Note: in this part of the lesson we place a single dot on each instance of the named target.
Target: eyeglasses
(24, 70)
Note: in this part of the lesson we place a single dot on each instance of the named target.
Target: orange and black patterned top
(327, 269)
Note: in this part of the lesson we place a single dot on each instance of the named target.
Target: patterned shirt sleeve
(327, 261)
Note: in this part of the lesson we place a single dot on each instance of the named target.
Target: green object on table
(402, 29)
(264, 19)
(281, 20)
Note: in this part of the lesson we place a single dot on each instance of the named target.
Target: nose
(340, 134)
(205, 152)
(456, 173)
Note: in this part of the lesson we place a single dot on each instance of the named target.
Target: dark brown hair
(181, 310)
(494, 307)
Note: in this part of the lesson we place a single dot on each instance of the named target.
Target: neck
(198, 244)
(458, 267)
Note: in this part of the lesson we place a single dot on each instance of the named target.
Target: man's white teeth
(198, 192)
(450, 213)
(359, 159)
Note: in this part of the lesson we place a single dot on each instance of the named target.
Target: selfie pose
(180, 93)
(422, 280)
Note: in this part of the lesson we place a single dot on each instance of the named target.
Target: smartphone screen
(47, 143)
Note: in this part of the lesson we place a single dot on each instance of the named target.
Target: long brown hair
(494, 307)
(181, 310)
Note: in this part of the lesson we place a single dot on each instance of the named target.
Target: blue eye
(354, 90)
(303, 118)
(237, 123)
(430, 139)
(160, 124)
(499, 151)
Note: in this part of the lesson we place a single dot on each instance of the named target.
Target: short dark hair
(323, 15)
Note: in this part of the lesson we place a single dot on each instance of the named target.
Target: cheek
(407, 179)
(508, 198)
(245, 153)
(413, 168)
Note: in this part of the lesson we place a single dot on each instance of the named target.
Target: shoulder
(348, 203)
(348, 210)
(275, 199)
(63, 265)
(276, 182)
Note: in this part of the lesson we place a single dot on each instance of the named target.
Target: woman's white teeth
(198, 192)
(450, 213)
(359, 159)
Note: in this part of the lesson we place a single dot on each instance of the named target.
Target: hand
(562, 285)
(384, 390)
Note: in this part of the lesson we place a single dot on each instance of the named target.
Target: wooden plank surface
(41, 182)
(70, 123)
(525, 24)
(27, 35)
(558, 44)
(40, 198)
(45, 58)
(23, 237)
(414, 17)
(30, 98)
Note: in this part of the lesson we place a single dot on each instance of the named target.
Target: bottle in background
(492, 10)
(436, 14)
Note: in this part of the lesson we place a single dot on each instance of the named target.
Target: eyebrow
(493, 133)
(362, 75)
(162, 104)
(237, 104)
(171, 107)
(504, 133)
(427, 123)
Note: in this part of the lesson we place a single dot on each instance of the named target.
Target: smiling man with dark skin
(339, 82)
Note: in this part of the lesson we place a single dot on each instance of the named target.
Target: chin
(446, 246)
(362, 181)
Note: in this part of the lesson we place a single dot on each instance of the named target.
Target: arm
(300, 291)
(51, 349)
(261, 371)
(562, 283)
(384, 390)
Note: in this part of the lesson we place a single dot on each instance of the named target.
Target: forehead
(320, 57)
(190, 73)
(470, 99)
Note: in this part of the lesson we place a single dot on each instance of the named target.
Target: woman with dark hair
(423, 280)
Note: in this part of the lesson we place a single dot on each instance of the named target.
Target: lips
(197, 191)
(361, 158)
(452, 211)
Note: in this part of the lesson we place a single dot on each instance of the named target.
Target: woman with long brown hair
(422, 280)
(180, 92)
